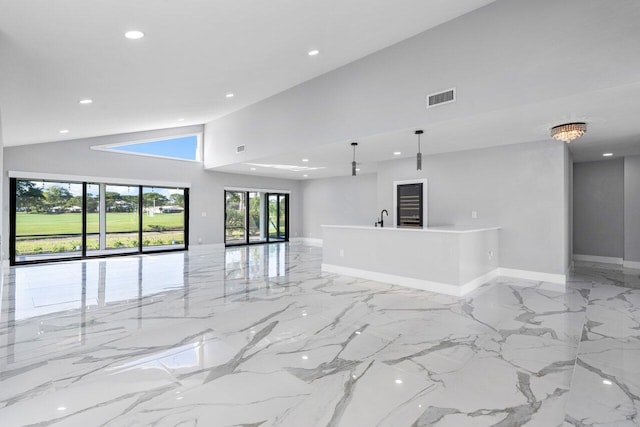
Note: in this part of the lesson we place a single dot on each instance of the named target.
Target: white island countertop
(449, 259)
(436, 229)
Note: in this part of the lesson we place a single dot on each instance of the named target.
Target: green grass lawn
(30, 224)
(44, 245)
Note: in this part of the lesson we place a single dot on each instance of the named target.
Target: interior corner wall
(519, 187)
(599, 208)
(3, 210)
(568, 193)
(346, 200)
(632, 209)
(206, 202)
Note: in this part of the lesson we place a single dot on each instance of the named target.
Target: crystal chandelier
(568, 132)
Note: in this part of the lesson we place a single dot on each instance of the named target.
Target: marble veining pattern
(259, 336)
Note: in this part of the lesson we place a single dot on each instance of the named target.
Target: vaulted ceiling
(55, 53)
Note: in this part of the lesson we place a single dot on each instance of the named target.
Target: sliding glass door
(121, 217)
(163, 218)
(53, 220)
(256, 217)
(235, 227)
(47, 219)
(278, 224)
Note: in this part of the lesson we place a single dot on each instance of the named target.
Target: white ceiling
(55, 53)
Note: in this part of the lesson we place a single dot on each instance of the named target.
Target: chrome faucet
(381, 220)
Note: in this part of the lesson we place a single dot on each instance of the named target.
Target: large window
(67, 220)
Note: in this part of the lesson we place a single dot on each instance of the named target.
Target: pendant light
(353, 163)
(419, 155)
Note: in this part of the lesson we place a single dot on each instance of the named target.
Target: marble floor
(258, 336)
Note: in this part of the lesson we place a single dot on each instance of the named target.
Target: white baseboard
(558, 279)
(206, 247)
(479, 281)
(594, 258)
(556, 282)
(409, 282)
(306, 241)
(631, 264)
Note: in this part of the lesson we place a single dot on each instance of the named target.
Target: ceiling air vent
(440, 98)
(239, 148)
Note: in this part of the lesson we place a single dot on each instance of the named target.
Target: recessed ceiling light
(305, 175)
(313, 52)
(134, 34)
(305, 357)
(61, 408)
(253, 169)
(607, 382)
(64, 131)
(305, 160)
(86, 101)
(398, 381)
(396, 153)
(229, 95)
(607, 155)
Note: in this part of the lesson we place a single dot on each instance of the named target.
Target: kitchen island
(452, 260)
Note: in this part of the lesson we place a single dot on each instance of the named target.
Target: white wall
(207, 188)
(519, 187)
(386, 91)
(632, 209)
(4, 234)
(338, 201)
(599, 205)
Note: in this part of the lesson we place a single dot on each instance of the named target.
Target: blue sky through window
(184, 147)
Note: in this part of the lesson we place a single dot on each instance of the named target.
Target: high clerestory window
(187, 147)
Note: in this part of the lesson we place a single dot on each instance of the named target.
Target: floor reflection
(45, 300)
(256, 261)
